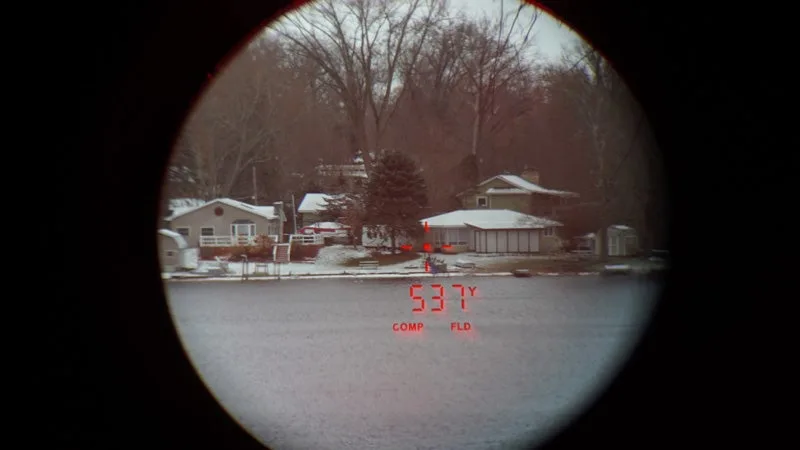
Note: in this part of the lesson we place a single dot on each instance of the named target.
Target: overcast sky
(549, 35)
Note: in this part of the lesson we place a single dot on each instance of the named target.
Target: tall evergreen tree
(396, 197)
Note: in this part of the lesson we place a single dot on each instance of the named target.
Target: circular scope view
(412, 224)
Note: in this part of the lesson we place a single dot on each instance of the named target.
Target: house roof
(327, 225)
(267, 212)
(489, 219)
(175, 203)
(347, 170)
(176, 237)
(522, 186)
(314, 202)
(179, 205)
(526, 185)
(612, 227)
(501, 191)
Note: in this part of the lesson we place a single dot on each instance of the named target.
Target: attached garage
(488, 230)
(506, 241)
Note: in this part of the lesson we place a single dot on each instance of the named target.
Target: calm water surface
(315, 363)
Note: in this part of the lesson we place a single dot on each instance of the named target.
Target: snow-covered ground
(330, 261)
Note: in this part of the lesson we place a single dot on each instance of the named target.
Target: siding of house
(205, 217)
(469, 199)
(534, 204)
(520, 203)
(542, 205)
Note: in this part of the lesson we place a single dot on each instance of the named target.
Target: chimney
(279, 210)
(530, 175)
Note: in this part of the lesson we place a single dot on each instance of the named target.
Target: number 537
(438, 299)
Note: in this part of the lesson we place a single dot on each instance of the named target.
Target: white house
(491, 231)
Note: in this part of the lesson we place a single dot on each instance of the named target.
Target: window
(482, 201)
(183, 231)
(170, 253)
(451, 236)
(549, 231)
(207, 231)
(243, 229)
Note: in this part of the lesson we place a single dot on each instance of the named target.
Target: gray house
(227, 223)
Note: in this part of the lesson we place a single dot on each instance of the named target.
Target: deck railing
(240, 241)
(307, 239)
(227, 241)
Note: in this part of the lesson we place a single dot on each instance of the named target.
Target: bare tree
(614, 129)
(362, 47)
(236, 123)
(492, 54)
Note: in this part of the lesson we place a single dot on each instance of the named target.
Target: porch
(250, 240)
(231, 240)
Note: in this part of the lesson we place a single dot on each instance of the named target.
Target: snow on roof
(327, 225)
(489, 219)
(616, 227)
(180, 205)
(314, 202)
(176, 237)
(347, 170)
(527, 186)
(267, 212)
(502, 191)
(185, 202)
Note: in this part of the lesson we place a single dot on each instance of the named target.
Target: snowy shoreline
(374, 276)
(329, 264)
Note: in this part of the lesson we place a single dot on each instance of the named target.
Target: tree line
(463, 98)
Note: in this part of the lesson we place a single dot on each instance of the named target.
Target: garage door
(491, 241)
(533, 240)
(502, 241)
(513, 241)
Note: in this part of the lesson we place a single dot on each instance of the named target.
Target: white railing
(307, 239)
(226, 241)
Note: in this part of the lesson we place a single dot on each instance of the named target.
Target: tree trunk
(393, 237)
(476, 136)
(602, 241)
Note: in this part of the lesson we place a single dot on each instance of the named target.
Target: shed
(173, 251)
(622, 241)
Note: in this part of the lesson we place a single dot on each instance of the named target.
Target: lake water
(316, 363)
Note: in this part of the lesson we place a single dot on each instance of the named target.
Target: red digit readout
(463, 301)
(439, 297)
(415, 298)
